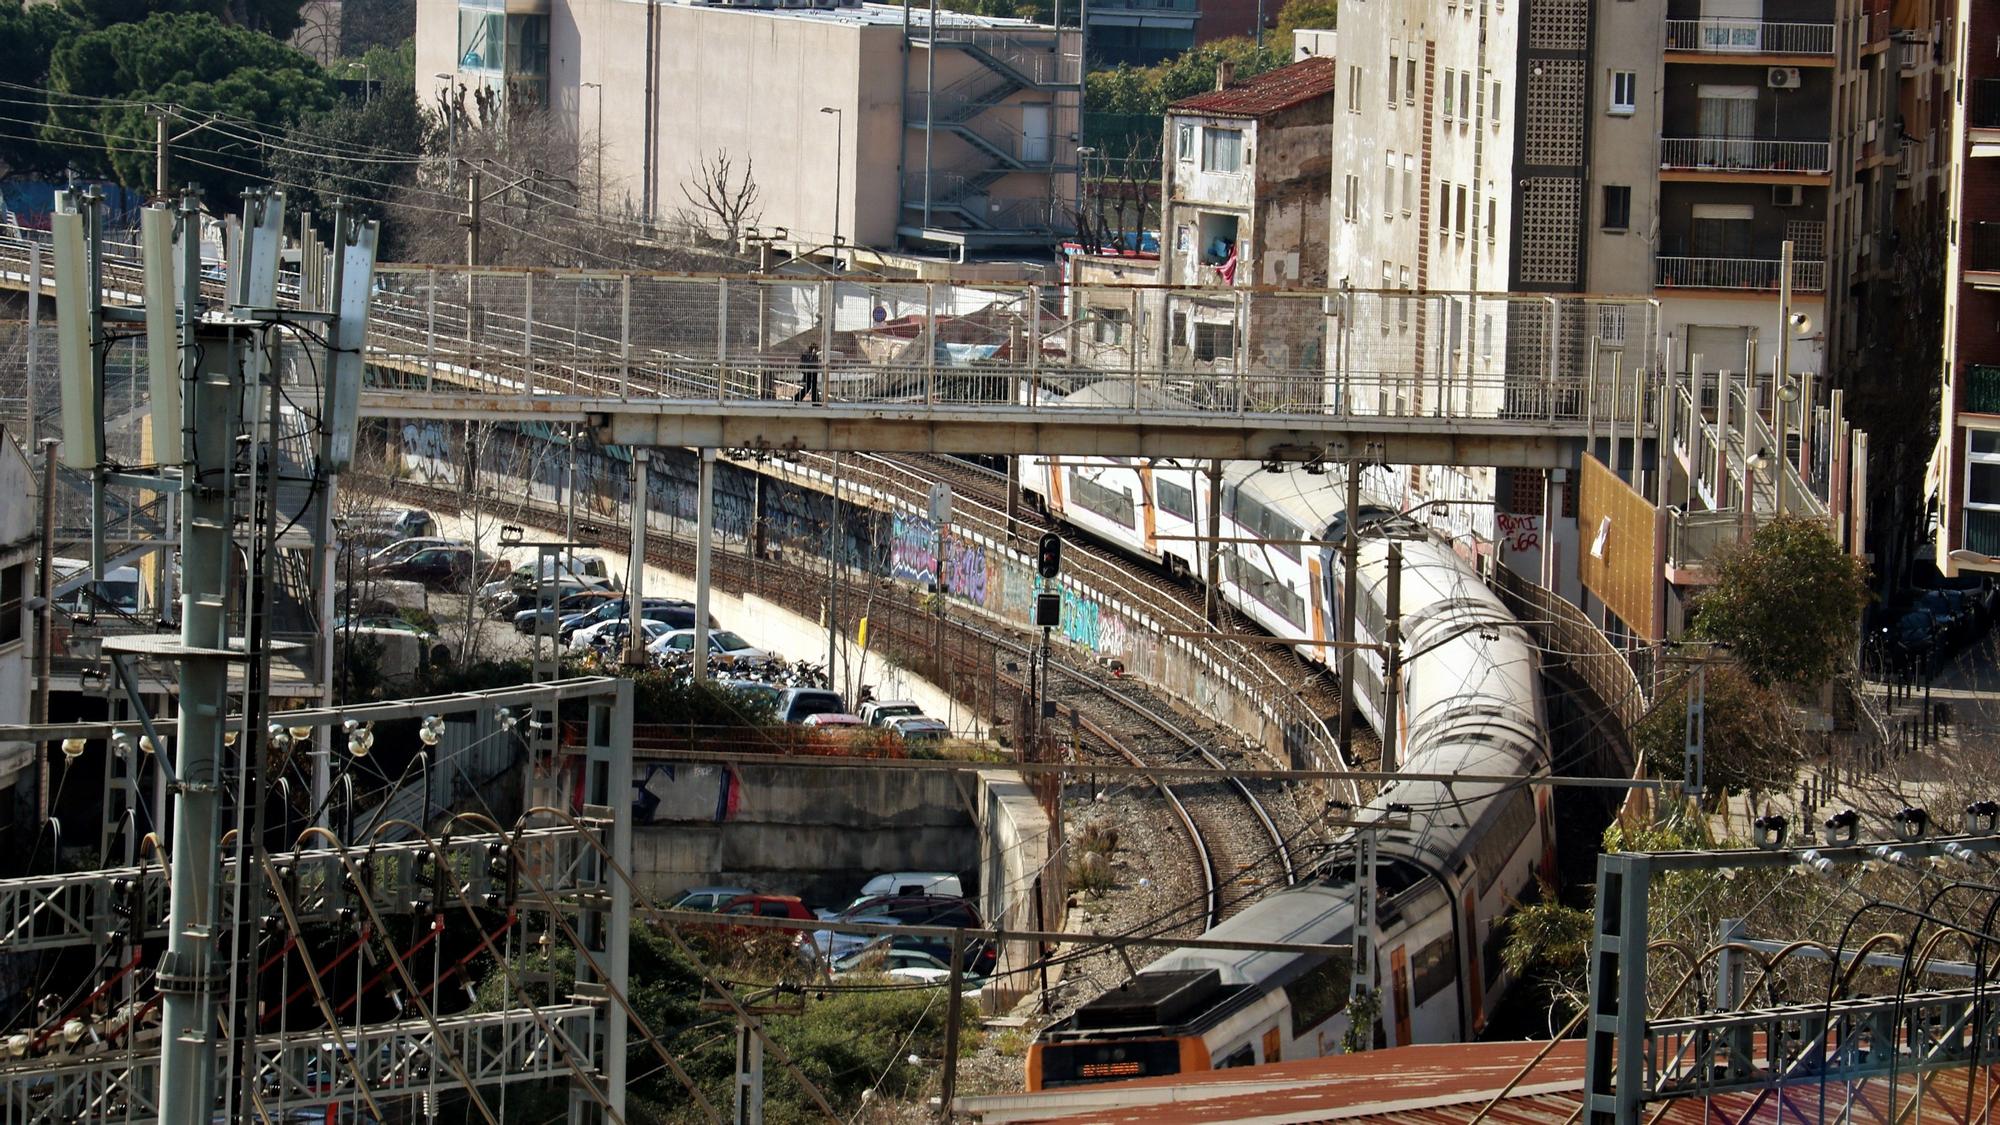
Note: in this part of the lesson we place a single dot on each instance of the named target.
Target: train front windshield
(1075, 1064)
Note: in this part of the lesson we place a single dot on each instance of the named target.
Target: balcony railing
(1725, 36)
(1982, 388)
(1744, 154)
(1983, 108)
(1739, 273)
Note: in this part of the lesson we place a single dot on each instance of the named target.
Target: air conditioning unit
(1782, 78)
(1788, 195)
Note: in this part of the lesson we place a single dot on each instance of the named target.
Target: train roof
(1313, 913)
(1309, 499)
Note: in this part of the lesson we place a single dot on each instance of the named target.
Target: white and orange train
(1470, 704)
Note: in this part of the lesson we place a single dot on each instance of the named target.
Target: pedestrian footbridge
(853, 364)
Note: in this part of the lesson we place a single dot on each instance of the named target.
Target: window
(1449, 87)
(1319, 993)
(1493, 107)
(1444, 209)
(1403, 303)
(1982, 488)
(1214, 341)
(13, 584)
(1492, 215)
(1388, 183)
(1432, 969)
(1184, 143)
(1221, 149)
(1409, 182)
(1460, 227)
(1395, 65)
(1175, 499)
(1353, 208)
(1486, 335)
(1268, 591)
(1624, 93)
(1465, 95)
(1108, 325)
(1409, 80)
(1354, 89)
(1617, 207)
(1115, 505)
(1511, 822)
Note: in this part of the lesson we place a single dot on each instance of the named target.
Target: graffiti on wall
(913, 549)
(965, 570)
(1520, 533)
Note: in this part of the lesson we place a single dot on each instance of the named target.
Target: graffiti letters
(913, 549)
(1520, 533)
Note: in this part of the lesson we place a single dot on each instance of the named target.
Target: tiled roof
(1290, 85)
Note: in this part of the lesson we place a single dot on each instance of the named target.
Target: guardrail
(1722, 35)
(1738, 273)
(1744, 154)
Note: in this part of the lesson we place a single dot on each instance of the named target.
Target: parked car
(920, 729)
(548, 617)
(728, 648)
(798, 704)
(941, 883)
(767, 906)
(707, 898)
(834, 721)
(830, 944)
(505, 603)
(924, 960)
(446, 568)
(378, 528)
(529, 576)
(672, 612)
(403, 548)
(613, 632)
(878, 712)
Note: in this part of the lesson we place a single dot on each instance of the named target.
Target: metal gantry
(1634, 1059)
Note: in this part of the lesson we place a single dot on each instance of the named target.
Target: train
(1452, 859)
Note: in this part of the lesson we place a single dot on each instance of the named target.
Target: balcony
(1746, 274)
(1983, 106)
(1744, 154)
(1726, 36)
(1982, 388)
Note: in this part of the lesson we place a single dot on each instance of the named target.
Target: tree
(253, 86)
(28, 37)
(368, 24)
(1749, 743)
(361, 152)
(720, 199)
(1548, 945)
(1299, 15)
(1123, 105)
(1788, 605)
(275, 18)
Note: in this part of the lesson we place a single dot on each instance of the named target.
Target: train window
(1516, 820)
(1175, 499)
(1254, 517)
(1246, 1055)
(1432, 969)
(1282, 599)
(1113, 504)
(1320, 994)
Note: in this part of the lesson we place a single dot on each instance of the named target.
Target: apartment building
(1966, 466)
(1142, 32)
(863, 124)
(1425, 198)
(1243, 202)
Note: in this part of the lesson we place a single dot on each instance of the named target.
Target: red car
(764, 906)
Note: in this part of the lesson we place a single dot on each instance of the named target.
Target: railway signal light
(1048, 557)
(1048, 609)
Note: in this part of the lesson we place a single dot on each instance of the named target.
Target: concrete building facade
(855, 121)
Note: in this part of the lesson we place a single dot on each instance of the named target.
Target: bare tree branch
(716, 193)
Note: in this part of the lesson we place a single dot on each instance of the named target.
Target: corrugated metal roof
(1448, 1084)
(1288, 86)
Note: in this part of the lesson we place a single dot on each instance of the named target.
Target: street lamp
(599, 87)
(450, 115)
(839, 138)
